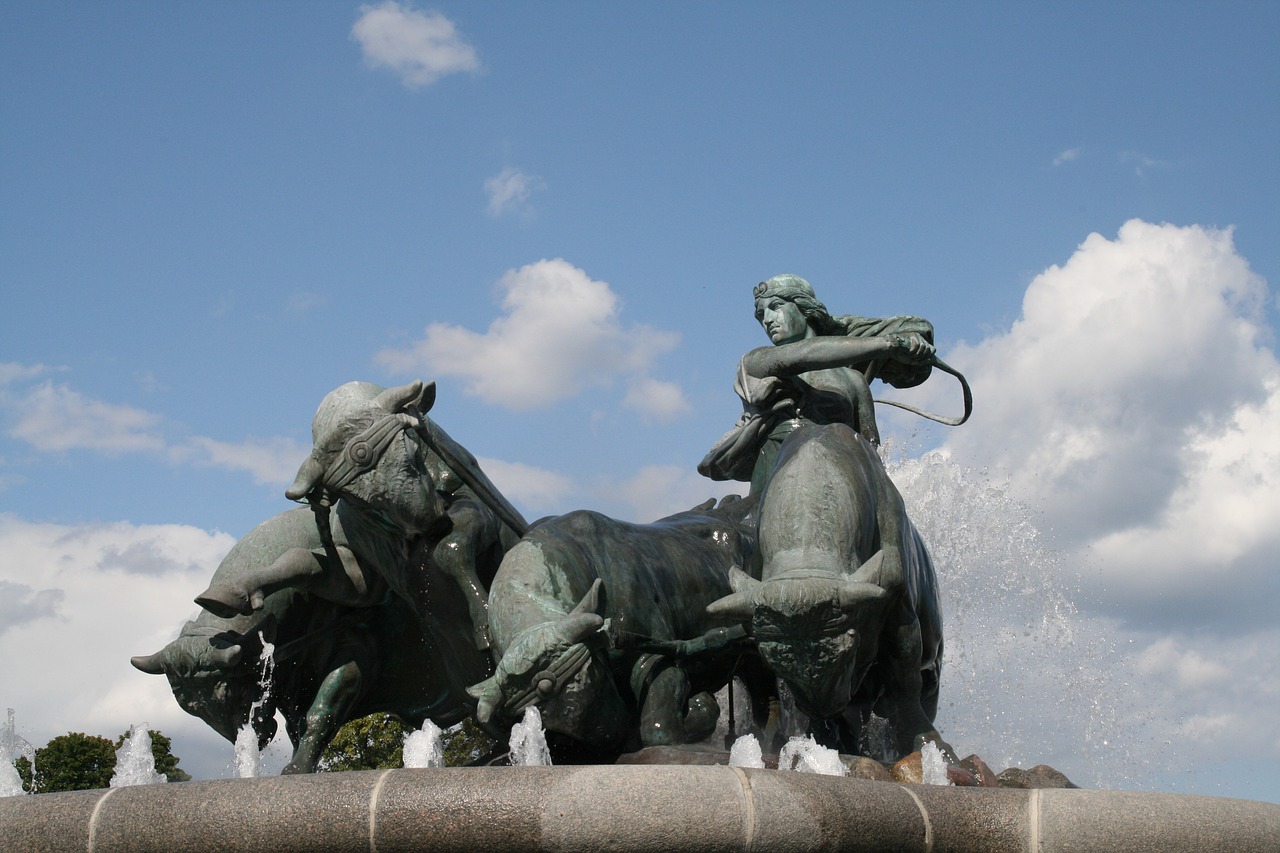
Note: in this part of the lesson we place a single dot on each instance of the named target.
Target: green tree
(375, 742)
(23, 766)
(74, 762)
(162, 752)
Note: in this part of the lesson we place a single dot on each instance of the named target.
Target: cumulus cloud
(560, 332)
(539, 489)
(1146, 401)
(419, 46)
(88, 597)
(656, 400)
(20, 604)
(657, 491)
(509, 192)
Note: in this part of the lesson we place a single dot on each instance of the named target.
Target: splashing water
(425, 747)
(805, 755)
(248, 757)
(933, 766)
(135, 763)
(528, 742)
(746, 752)
(1026, 679)
(11, 747)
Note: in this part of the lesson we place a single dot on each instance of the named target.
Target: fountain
(804, 755)
(424, 747)
(12, 747)
(135, 763)
(529, 741)
(578, 636)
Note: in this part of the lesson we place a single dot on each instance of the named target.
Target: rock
(962, 777)
(982, 772)
(908, 770)
(1040, 776)
(861, 767)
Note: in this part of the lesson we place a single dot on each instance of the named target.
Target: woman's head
(797, 291)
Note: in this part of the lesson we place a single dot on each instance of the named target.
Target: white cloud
(541, 490)
(656, 400)
(559, 334)
(272, 461)
(100, 594)
(420, 46)
(509, 191)
(11, 372)
(657, 491)
(1146, 406)
(57, 418)
(1066, 156)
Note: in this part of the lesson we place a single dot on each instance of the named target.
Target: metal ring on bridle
(569, 664)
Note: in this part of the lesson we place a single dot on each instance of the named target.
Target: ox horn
(309, 476)
(741, 604)
(414, 395)
(853, 593)
(150, 664)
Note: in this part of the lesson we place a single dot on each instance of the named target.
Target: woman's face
(782, 320)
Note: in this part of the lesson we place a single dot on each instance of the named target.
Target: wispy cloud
(1067, 156)
(560, 332)
(56, 418)
(509, 192)
(419, 46)
(1142, 164)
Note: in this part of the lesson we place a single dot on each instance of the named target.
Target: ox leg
(669, 716)
(340, 580)
(901, 701)
(456, 557)
(328, 712)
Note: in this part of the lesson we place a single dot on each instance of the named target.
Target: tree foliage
(74, 762)
(78, 762)
(375, 742)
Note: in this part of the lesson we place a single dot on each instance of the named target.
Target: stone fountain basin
(639, 808)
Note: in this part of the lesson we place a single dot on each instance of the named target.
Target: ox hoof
(227, 603)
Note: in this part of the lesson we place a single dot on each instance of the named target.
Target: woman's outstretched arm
(826, 351)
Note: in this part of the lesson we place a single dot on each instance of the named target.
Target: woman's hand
(912, 348)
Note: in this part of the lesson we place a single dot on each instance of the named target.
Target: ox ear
(309, 476)
(150, 664)
(427, 398)
(853, 593)
(401, 397)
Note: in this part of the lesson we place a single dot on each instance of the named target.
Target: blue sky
(211, 215)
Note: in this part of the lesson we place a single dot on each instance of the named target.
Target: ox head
(214, 679)
(552, 665)
(367, 450)
(810, 629)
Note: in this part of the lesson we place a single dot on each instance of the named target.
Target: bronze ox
(846, 608)
(332, 662)
(646, 678)
(371, 601)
